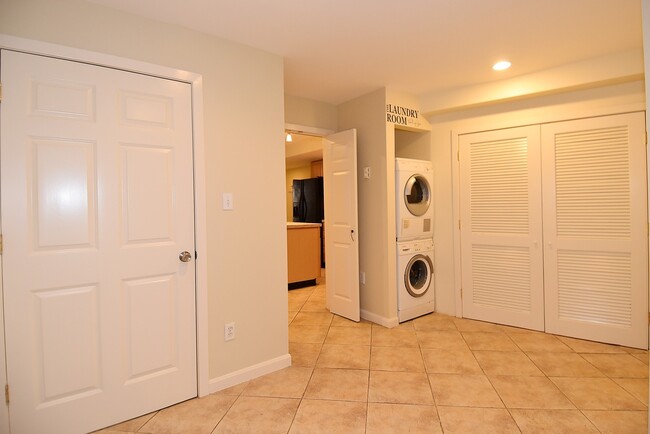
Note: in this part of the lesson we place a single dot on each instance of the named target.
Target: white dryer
(415, 292)
(414, 199)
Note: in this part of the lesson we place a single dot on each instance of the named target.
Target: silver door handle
(185, 256)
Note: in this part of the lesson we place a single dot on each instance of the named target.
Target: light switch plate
(227, 201)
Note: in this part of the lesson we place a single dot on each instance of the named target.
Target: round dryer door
(417, 195)
(417, 277)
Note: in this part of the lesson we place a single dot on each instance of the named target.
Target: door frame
(198, 153)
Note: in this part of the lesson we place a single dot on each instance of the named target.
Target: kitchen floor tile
(307, 334)
(506, 363)
(339, 321)
(196, 416)
(396, 337)
(489, 341)
(618, 365)
(530, 392)
(552, 421)
(637, 387)
(399, 388)
(348, 336)
(434, 322)
(329, 417)
(401, 418)
(304, 355)
(286, 383)
(618, 422)
(443, 340)
(465, 420)
(582, 346)
(252, 414)
(470, 325)
(312, 319)
(396, 359)
(344, 357)
(464, 391)
(539, 342)
(597, 394)
(438, 361)
(338, 384)
(564, 365)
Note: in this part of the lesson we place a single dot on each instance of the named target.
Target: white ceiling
(336, 50)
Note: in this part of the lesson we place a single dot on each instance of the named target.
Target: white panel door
(341, 223)
(501, 227)
(595, 228)
(97, 203)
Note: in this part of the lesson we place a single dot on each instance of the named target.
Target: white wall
(570, 105)
(306, 112)
(242, 86)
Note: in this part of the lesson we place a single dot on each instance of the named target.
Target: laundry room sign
(407, 117)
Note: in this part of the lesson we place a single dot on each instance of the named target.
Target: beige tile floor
(434, 374)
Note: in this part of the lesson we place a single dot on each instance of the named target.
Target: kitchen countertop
(299, 225)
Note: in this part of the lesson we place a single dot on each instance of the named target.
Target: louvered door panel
(501, 227)
(595, 206)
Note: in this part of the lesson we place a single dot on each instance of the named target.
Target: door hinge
(458, 155)
(0, 91)
(461, 293)
(646, 133)
(1, 239)
(1, 245)
(7, 393)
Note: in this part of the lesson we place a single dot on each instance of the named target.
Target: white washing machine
(414, 199)
(415, 293)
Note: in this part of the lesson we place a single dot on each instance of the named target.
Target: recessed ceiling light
(502, 65)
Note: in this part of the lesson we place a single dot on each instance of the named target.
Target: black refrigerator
(308, 200)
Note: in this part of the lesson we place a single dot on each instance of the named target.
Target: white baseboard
(377, 319)
(243, 375)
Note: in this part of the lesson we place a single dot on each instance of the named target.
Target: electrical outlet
(229, 331)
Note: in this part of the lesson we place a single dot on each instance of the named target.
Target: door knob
(185, 256)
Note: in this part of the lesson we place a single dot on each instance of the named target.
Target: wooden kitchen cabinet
(316, 168)
(303, 252)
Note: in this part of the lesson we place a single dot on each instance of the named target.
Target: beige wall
(569, 105)
(309, 113)
(376, 203)
(246, 270)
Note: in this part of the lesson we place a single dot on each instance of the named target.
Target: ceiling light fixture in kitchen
(501, 65)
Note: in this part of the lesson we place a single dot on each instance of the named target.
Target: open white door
(341, 222)
(97, 204)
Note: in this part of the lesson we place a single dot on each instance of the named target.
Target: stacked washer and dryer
(414, 221)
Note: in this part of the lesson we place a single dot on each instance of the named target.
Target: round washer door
(417, 195)
(417, 276)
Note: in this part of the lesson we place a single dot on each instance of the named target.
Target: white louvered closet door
(501, 227)
(595, 214)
